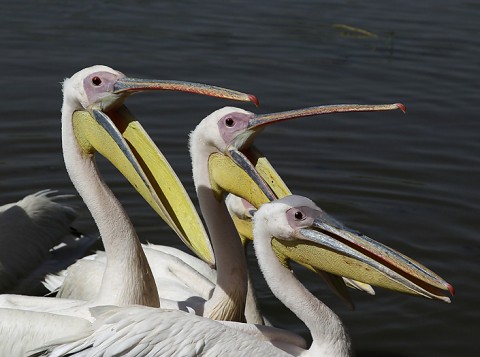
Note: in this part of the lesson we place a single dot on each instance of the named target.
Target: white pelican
(229, 130)
(127, 278)
(293, 220)
(242, 128)
(242, 213)
(35, 234)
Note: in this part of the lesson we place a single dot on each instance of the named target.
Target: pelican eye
(229, 122)
(96, 81)
(298, 215)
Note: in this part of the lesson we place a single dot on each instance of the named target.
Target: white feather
(127, 278)
(148, 332)
(37, 239)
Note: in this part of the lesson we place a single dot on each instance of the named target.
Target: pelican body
(127, 278)
(147, 332)
(332, 247)
(222, 163)
(37, 238)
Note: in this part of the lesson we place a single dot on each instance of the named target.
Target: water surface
(409, 181)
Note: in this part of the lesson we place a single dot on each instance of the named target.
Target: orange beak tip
(254, 100)
(451, 289)
(402, 107)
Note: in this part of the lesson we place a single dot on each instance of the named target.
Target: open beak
(221, 169)
(269, 184)
(341, 252)
(359, 257)
(246, 173)
(242, 213)
(109, 128)
(120, 138)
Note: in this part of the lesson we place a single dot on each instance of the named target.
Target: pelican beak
(221, 170)
(225, 177)
(367, 263)
(258, 122)
(359, 257)
(265, 119)
(134, 85)
(246, 173)
(110, 129)
(120, 138)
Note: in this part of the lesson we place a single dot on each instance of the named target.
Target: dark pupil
(96, 81)
(298, 215)
(230, 122)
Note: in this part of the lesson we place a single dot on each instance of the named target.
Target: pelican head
(93, 101)
(303, 223)
(291, 218)
(231, 131)
(239, 169)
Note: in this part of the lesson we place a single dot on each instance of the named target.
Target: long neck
(328, 333)
(127, 278)
(228, 299)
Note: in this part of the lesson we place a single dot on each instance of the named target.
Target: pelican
(242, 127)
(242, 213)
(293, 220)
(219, 166)
(127, 277)
(36, 239)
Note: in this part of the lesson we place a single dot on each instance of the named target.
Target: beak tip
(254, 100)
(451, 289)
(402, 107)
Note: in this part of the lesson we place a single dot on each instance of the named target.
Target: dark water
(410, 181)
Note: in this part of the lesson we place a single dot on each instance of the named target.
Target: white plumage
(22, 331)
(146, 332)
(127, 278)
(36, 238)
(175, 277)
(227, 299)
(140, 332)
(214, 134)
